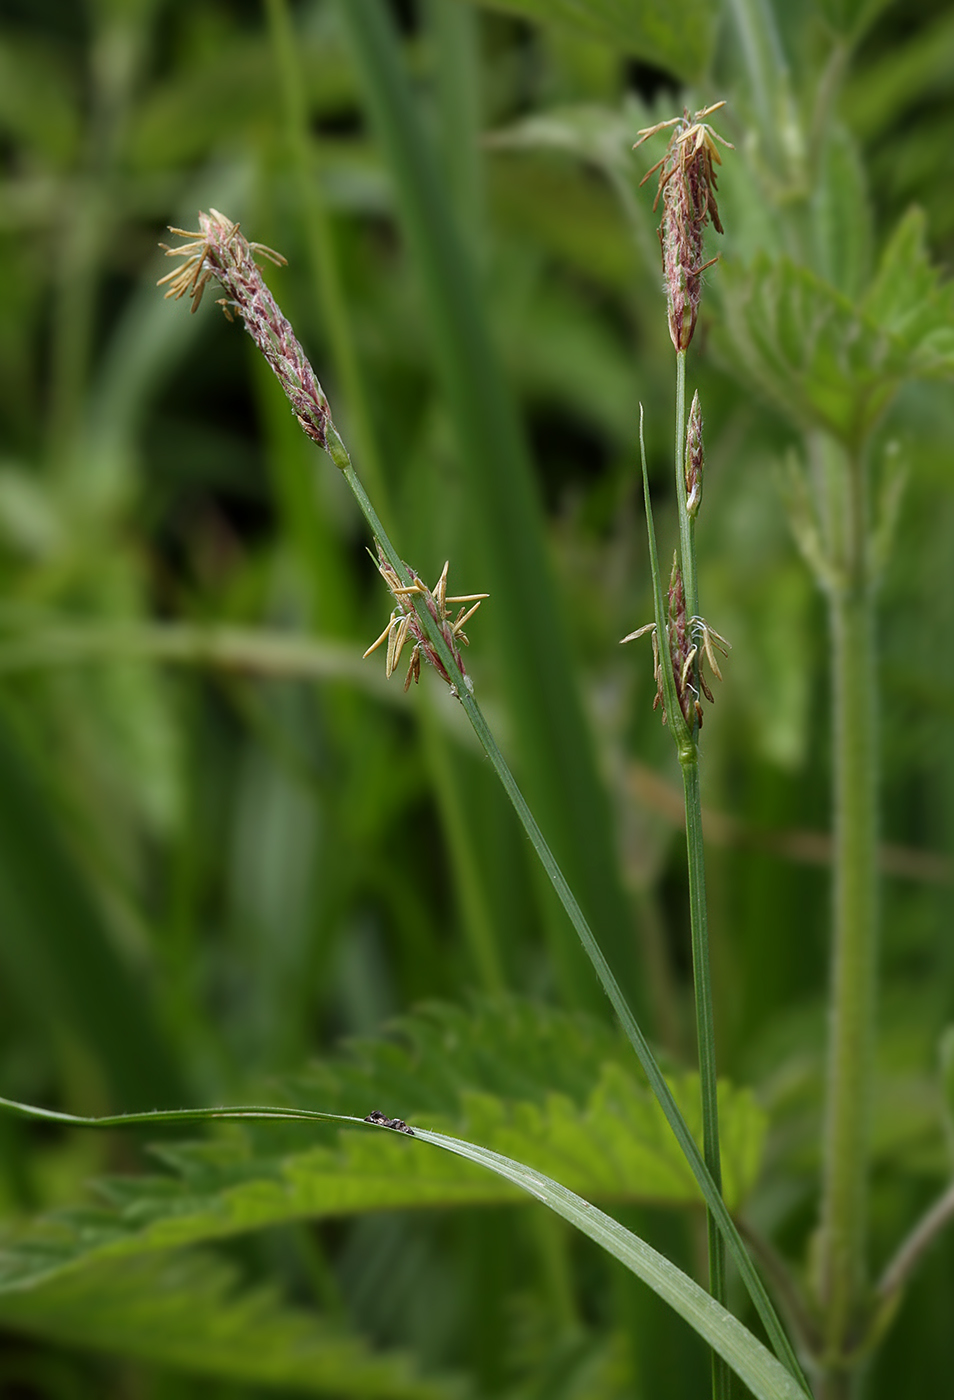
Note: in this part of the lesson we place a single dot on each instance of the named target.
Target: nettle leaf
(560, 1093)
(908, 299)
(678, 37)
(828, 362)
(189, 1310)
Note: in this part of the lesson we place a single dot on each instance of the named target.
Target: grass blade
(766, 1377)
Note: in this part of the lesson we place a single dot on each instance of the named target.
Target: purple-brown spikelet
(219, 250)
(681, 650)
(687, 185)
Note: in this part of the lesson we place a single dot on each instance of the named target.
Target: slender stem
(912, 1249)
(699, 919)
(784, 1286)
(657, 1082)
(705, 1034)
(842, 1264)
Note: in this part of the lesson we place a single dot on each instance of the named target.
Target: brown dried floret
(405, 624)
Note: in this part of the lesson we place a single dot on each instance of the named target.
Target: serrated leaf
(906, 289)
(825, 361)
(610, 1141)
(190, 1311)
(676, 37)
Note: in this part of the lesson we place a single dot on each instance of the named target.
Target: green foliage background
(228, 847)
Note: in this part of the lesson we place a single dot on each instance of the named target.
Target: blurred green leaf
(678, 37)
(900, 77)
(190, 1311)
(58, 953)
(842, 215)
(907, 297)
(805, 346)
(946, 1065)
(38, 102)
(851, 18)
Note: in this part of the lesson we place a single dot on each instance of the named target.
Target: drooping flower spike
(200, 266)
(219, 250)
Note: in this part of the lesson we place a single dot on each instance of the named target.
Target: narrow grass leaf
(766, 1377)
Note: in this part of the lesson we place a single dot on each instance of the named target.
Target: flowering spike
(689, 641)
(687, 185)
(219, 250)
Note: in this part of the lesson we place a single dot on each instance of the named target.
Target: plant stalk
(698, 912)
(705, 1034)
(842, 1262)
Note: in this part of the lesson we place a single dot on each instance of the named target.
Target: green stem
(647, 1059)
(705, 1036)
(842, 1264)
(698, 912)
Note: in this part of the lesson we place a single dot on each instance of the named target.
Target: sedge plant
(431, 623)
(682, 640)
(420, 617)
(867, 342)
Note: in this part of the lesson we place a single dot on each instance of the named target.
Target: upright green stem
(699, 919)
(705, 1035)
(842, 1264)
